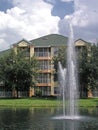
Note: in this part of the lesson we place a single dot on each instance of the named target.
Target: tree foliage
(88, 68)
(18, 72)
(94, 65)
(59, 57)
(87, 65)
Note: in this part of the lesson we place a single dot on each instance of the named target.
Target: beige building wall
(31, 50)
(23, 43)
(80, 43)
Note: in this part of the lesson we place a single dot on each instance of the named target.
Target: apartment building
(44, 48)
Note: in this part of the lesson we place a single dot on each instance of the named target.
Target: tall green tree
(87, 66)
(93, 67)
(83, 70)
(18, 72)
(59, 57)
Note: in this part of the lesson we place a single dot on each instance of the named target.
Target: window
(42, 52)
(45, 65)
(44, 91)
(25, 51)
(44, 78)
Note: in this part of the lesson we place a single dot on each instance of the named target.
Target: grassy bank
(90, 102)
(35, 102)
(28, 102)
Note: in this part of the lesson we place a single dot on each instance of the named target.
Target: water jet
(68, 82)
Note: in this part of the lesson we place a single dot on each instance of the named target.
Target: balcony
(43, 84)
(43, 55)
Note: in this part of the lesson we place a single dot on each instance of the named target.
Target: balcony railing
(43, 80)
(45, 67)
(42, 54)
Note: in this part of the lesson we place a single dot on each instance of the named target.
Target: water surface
(42, 119)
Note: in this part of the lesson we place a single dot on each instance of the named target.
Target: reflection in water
(67, 124)
(71, 125)
(42, 119)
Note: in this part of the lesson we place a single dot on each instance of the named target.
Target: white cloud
(28, 19)
(51, 1)
(67, 0)
(84, 20)
(3, 44)
(78, 18)
(32, 18)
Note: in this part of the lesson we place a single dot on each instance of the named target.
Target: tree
(59, 57)
(88, 67)
(83, 70)
(18, 72)
(93, 67)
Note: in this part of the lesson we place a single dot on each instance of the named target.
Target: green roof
(50, 40)
(45, 41)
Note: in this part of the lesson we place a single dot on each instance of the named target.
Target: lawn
(37, 102)
(88, 102)
(28, 102)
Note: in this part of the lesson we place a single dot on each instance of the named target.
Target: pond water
(42, 119)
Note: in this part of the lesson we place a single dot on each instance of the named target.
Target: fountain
(68, 82)
(71, 93)
(70, 114)
(62, 82)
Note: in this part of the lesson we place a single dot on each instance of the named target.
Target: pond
(42, 119)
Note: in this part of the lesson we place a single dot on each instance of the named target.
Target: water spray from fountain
(72, 82)
(68, 81)
(62, 83)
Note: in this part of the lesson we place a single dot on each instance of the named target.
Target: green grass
(28, 102)
(36, 102)
(90, 102)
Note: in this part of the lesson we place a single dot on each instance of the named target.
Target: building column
(90, 94)
(31, 92)
(52, 90)
(31, 50)
(14, 93)
(52, 84)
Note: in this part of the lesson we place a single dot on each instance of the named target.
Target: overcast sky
(31, 19)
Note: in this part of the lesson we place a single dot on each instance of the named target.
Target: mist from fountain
(62, 83)
(68, 81)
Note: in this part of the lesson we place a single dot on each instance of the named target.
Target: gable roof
(81, 42)
(50, 40)
(45, 41)
(23, 40)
